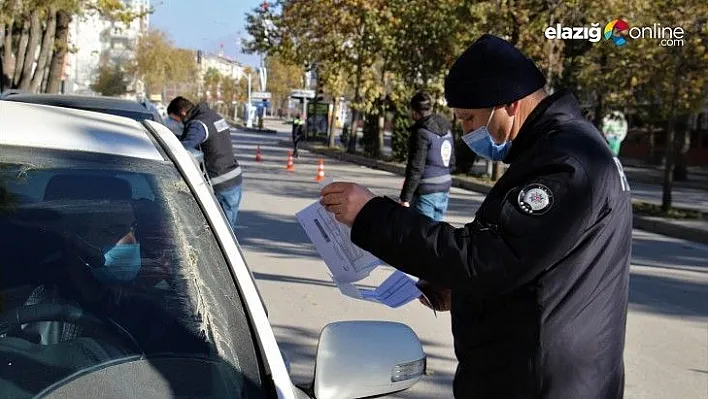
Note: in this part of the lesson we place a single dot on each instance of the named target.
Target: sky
(206, 24)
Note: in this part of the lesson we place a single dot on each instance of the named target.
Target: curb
(691, 184)
(239, 126)
(660, 226)
(647, 223)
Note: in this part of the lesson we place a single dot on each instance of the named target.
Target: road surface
(667, 339)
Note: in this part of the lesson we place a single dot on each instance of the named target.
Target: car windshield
(113, 284)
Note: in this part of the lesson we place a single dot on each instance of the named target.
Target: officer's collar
(197, 108)
(550, 112)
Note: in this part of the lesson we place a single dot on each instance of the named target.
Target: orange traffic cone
(320, 171)
(259, 157)
(291, 165)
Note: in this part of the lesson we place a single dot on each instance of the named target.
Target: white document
(348, 263)
(396, 291)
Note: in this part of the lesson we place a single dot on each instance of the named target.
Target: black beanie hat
(489, 73)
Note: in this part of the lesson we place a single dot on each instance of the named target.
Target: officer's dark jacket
(539, 283)
(430, 157)
(221, 165)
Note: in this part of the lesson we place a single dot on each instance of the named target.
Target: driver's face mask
(121, 264)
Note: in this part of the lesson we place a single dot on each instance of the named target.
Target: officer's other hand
(345, 200)
(405, 203)
(434, 296)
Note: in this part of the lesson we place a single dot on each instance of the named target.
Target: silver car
(119, 277)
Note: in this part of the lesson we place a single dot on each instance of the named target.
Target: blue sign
(260, 104)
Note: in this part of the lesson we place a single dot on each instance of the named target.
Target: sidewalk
(697, 177)
(689, 229)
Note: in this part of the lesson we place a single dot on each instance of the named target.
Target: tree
(212, 83)
(228, 89)
(158, 62)
(676, 79)
(34, 37)
(111, 81)
(61, 47)
(349, 37)
(380, 52)
(283, 76)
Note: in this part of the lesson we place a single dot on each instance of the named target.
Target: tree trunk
(8, 62)
(46, 51)
(20, 56)
(2, 33)
(671, 137)
(332, 139)
(380, 142)
(683, 144)
(353, 135)
(61, 38)
(599, 110)
(7, 52)
(600, 93)
(34, 37)
(497, 170)
(668, 169)
(652, 146)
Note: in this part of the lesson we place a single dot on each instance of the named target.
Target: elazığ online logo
(618, 31)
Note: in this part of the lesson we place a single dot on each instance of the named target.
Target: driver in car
(99, 272)
(88, 305)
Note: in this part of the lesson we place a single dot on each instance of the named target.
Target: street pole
(249, 121)
(304, 114)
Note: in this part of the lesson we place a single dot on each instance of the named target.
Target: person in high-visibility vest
(297, 133)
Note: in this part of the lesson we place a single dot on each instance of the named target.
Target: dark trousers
(296, 141)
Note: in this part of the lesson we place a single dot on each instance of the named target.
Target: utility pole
(249, 120)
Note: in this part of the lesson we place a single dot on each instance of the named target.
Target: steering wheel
(107, 329)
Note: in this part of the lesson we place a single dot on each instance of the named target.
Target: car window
(108, 270)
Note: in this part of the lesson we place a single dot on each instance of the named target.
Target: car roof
(41, 126)
(111, 105)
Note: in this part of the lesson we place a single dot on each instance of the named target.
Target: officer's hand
(405, 203)
(434, 296)
(345, 200)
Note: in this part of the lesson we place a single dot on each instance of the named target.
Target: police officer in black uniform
(538, 282)
(430, 159)
(207, 131)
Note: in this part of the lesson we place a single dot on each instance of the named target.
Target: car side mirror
(357, 359)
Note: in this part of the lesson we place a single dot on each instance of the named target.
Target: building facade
(96, 41)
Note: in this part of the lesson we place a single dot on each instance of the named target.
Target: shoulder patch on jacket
(446, 152)
(221, 125)
(535, 199)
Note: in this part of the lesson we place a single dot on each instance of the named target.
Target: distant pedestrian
(208, 132)
(430, 160)
(298, 133)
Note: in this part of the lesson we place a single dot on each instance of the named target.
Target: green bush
(400, 136)
(370, 137)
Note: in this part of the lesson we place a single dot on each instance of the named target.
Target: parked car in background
(120, 277)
